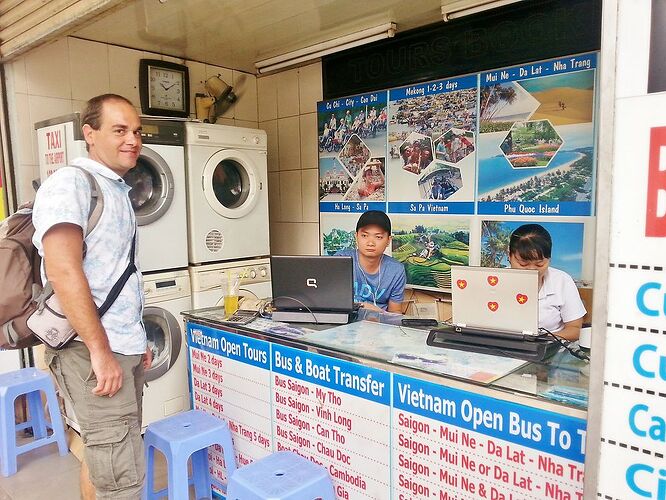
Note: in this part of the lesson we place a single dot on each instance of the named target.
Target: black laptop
(312, 289)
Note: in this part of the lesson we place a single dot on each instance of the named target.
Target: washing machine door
(164, 340)
(231, 183)
(152, 186)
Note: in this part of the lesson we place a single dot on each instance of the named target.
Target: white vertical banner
(633, 425)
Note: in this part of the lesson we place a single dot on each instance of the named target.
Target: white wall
(58, 78)
(288, 113)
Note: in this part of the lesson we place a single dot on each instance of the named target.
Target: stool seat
(283, 475)
(28, 381)
(179, 437)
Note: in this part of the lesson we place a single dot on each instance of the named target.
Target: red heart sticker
(493, 280)
(521, 298)
(493, 306)
(461, 284)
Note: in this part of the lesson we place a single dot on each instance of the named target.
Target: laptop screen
(496, 299)
(318, 283)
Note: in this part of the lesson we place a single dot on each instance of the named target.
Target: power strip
(426, 310)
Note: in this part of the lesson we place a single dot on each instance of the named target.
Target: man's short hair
(374, 217)
(92, 113)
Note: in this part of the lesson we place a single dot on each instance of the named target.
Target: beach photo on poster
(369, 183)
(428, 246)
(334, 180)
(567, 252)
(566, 176)
(338, 231)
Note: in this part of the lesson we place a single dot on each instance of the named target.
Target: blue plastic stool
(284, 475)
(28, 381)
(179, 437)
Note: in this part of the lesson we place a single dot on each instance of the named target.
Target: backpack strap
(96, 201)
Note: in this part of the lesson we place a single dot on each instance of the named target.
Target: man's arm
(63, 260)
(394, 307)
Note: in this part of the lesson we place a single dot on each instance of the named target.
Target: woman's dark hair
(531, 242)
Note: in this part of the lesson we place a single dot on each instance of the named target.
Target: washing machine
(227, 192)
(209, 282)
(158, 192)
(168, 392)
(168, 389)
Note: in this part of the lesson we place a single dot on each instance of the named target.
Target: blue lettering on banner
(646, 481)
(229, 345)
(554, 208)
(648, 363)
(541, 430)
(554, 67)
(375, 98)
(431, 207)
(351, 206)
(642, 304)
(437, 87)
(351, 378)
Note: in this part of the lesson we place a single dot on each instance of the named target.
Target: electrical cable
(575, 351)
(272, 302)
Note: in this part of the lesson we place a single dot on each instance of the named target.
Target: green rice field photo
(429, 248)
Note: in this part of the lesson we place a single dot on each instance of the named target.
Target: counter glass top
(379, 337)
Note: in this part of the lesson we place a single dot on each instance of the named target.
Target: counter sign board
(380, 435)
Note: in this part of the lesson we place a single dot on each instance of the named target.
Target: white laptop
(495, 301)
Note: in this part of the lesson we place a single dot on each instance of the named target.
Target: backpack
(20, 280)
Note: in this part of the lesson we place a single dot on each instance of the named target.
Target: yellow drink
(230, 304)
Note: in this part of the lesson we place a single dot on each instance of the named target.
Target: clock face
(166, 89)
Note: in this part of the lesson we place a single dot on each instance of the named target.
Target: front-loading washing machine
(227, 192)
(168, 389)
(209, 282)
(158, 192)
(168, 392)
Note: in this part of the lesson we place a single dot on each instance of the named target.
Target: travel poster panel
(536, 151)
(352, 153)
(230, 379)
(453, 444)
(431, 145)
(428, 245)
(338, 231)
(568, 238)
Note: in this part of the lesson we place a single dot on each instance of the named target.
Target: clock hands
(167, 87)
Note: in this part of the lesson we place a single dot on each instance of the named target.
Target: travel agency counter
(388, 416)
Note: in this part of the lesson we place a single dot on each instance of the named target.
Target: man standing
(102, 372)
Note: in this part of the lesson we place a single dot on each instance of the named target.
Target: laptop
(499, 301)
(312, 289)
(495, 311)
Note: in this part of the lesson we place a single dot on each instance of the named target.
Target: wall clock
(164, 88)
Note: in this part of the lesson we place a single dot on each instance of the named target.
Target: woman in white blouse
(561, 310)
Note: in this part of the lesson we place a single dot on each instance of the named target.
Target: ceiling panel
(236, 33)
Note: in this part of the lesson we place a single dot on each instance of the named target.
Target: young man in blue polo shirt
(379, 280)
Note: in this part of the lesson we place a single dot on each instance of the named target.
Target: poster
(473, 151)
(431, 144)
(338, 231)
(536, 138)
(567, 253)
(428, 246)
(352, 153)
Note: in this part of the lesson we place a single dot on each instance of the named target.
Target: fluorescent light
(327, 47)
(461, 8)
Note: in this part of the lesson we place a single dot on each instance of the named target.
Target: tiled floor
(43, 474)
